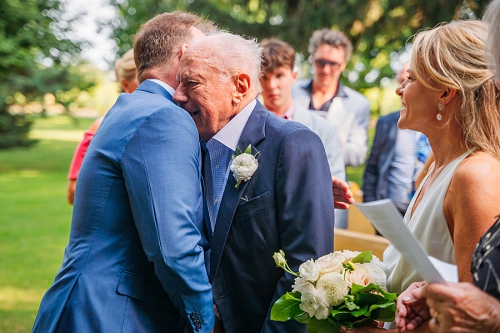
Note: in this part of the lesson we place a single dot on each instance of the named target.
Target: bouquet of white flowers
(341, 289)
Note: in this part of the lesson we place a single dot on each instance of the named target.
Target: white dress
(428, 225)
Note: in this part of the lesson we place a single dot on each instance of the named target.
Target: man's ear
(295, 74)
(125, 85)
(182, 49)
(242, 86)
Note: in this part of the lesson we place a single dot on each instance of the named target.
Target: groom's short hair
(158, 38)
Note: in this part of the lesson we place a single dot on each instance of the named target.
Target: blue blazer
(134, 262)
(375, 185)
(287, 204)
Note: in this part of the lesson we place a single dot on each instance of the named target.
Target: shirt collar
(290, 112)
(230, 134)
(164, 85)
(340, 89)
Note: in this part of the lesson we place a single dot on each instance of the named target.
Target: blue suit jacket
(134, 262)
(287, 204)
(383, 149)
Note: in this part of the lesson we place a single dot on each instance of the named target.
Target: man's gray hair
(330, 37)
(232, 54)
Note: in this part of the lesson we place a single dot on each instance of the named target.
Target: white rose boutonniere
(243, 165)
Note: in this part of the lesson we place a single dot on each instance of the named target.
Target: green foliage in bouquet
(361, 305)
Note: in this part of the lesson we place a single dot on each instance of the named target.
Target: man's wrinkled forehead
(189, 67)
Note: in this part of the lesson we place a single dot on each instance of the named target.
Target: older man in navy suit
(135, 259)
(284, 201)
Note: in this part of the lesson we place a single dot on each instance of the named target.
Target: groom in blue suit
(287, 203)
(135, 258)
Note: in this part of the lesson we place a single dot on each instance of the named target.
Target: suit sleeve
(161, 167)
(305, 209)
(356, 146)
(371, 175)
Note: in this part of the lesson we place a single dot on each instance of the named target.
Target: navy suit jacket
(375, 185)
(134, 262)
(287, 204)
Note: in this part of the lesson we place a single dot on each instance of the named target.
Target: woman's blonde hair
(452, 56)
(125, 67)
(492, 17)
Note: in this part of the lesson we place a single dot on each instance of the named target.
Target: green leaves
(248, 150)
(363, 257)
(322, 326)
(286, 307)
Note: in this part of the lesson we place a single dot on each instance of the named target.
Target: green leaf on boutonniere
(238, 152)
(249, 149)
(286, 307)
(363, 257)
(322, 326)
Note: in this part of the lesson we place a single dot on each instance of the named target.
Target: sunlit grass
(34, 218)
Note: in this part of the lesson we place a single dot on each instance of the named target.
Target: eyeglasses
(322, 63)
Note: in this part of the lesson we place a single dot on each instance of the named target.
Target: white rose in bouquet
(349, 255)
(376, 261)
(313, 301)
(377, 274)
(331, 263)
(309, 270)
(334, 287)
(300, 284)
(360, 275)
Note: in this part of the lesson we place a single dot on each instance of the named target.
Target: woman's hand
(411, 308)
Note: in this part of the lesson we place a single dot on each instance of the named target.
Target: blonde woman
(126, 76)
(462, 306)
(450, 96)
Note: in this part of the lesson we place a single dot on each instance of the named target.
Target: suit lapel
(253, 133)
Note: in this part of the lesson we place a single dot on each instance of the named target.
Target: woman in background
(126, 75)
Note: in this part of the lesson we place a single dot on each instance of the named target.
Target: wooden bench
(356, 221)
(358, 241)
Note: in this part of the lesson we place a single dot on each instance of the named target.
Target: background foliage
(35, 59)
(379, 29)
(37, 56)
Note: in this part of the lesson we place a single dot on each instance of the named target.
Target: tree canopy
(36, 58)
(379, 29)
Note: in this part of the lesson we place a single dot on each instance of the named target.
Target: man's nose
(273, 83)
(180, 95)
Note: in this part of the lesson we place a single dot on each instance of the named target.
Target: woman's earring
(439, 116)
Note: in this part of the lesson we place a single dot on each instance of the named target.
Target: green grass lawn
(34, 218)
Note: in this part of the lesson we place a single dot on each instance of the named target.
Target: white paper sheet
(388, 221)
